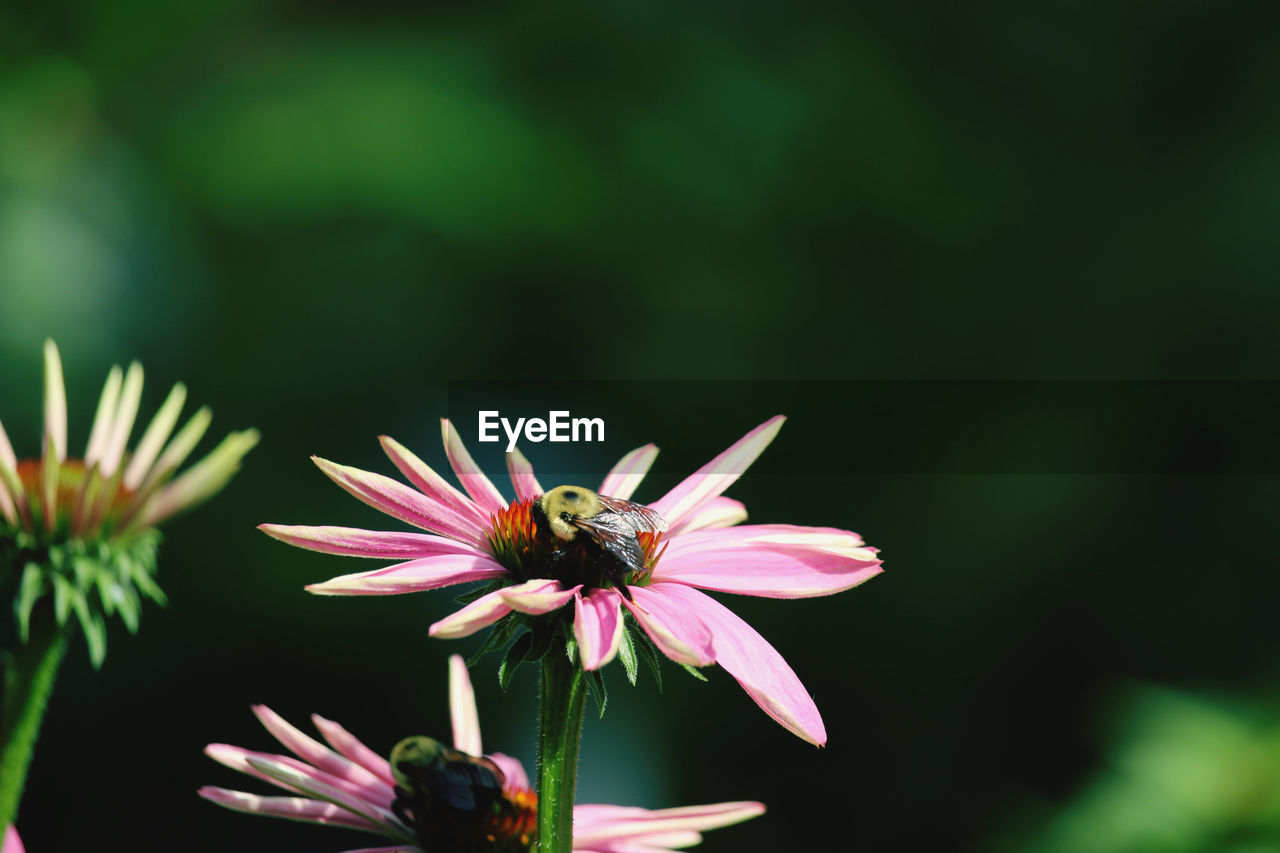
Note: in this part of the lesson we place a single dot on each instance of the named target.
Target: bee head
(414, 752)
(563, 504)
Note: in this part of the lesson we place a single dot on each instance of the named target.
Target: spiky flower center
(86, 504)
(521, 540)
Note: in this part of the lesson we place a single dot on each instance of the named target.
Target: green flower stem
(564, 696)
(28, 682)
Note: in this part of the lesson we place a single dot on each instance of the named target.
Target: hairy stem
(28, 682)
(564, 695)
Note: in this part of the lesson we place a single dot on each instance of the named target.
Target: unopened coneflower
(78, 535)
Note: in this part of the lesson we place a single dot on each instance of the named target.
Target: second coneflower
(78, 536)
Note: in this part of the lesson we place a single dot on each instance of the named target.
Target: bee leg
(619, 580)
(399, 809)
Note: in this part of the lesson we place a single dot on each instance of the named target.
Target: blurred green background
(316, 215)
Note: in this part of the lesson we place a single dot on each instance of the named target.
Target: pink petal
(350, 746)
(354, 542)
(521, 471)
(314, 784)
(432, 484)
(268, 767)
(715, 513)
(770, 560)
(717, 475)
(320, 756)
(12, 843)
(400, 501)
(517, 779)
(755, 664)
(400, 848)
(536, 596)
(622, 481)
(597, 626)
(594, 824)
(462, 709)
(675, 630)
(291, 808)
(413, 576)
(480, 487)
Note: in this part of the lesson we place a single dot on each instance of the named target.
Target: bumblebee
(452, 801)
(612, 524)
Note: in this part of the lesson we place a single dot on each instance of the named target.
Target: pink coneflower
(348, 784)
(82, 530)
(480, 536)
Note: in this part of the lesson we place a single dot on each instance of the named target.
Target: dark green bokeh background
(317, 215)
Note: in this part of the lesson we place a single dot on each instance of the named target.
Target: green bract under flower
(81, 532)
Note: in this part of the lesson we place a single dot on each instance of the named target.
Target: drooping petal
(675, 630)
(413, 576)
(769, 560)
(291, 808)
(533, 597)
(597, 626)
(480, 487)
(349, 745)
(717, 475)
(251, 762)
(522, 479)
(600, 824)
(320, 756)
(517, 779)
(621, 482)
(715, 513)
(462, 709)
(355, 542)
(400, 501)
(55, 401)
(154, 437)
(755, 664)
(311, 783)
(432, 484)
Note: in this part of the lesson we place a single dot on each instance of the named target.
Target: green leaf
(646, 651)
(63, 592)
(129, 605)
(95, 631)
(627, 654)
(146, 585)
(501, 634)
(542, 639)
(29, 592)
(514, 657)
(694, 671)
(571, 650)
(479, 592)
(595, 686)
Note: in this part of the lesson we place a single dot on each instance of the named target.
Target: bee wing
(640, 516)
(616, 534)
